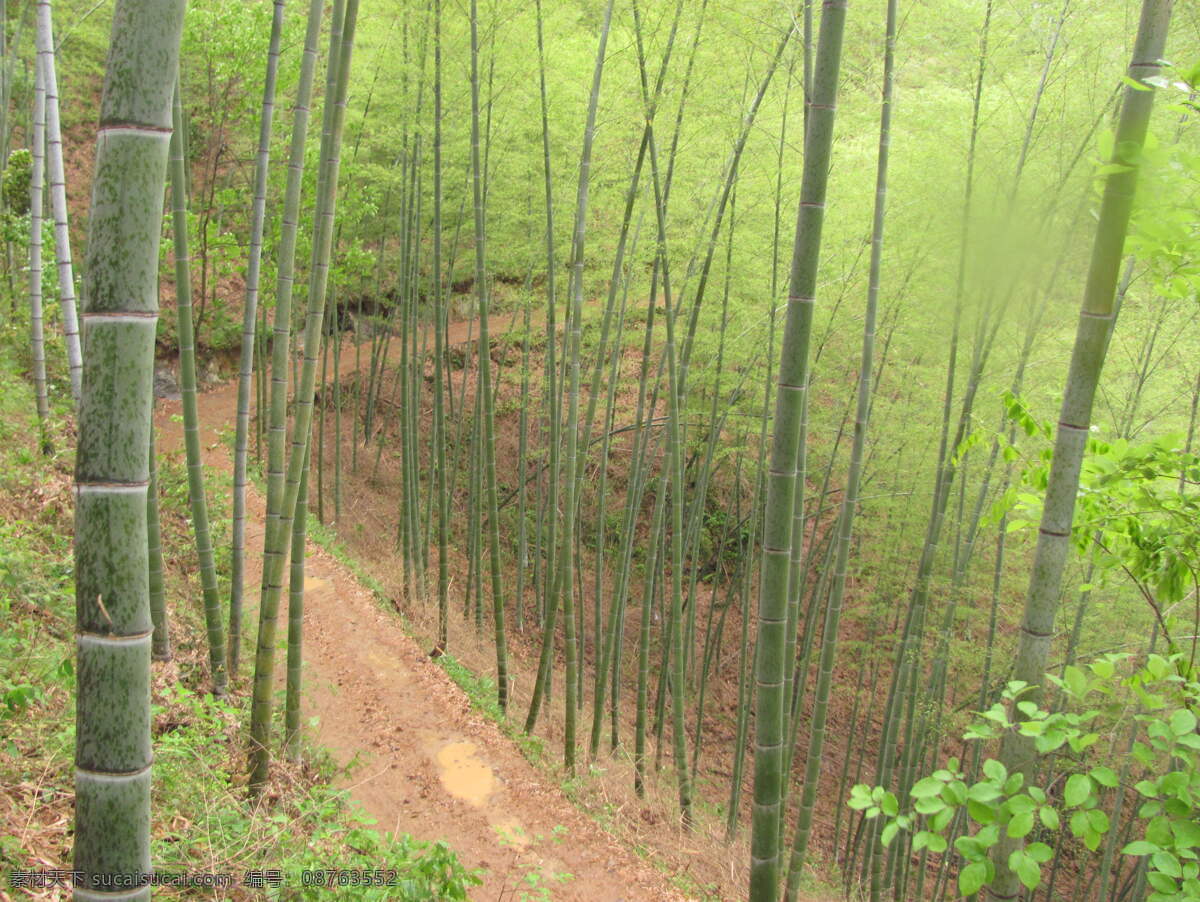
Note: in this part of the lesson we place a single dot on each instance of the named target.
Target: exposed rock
(166, 386)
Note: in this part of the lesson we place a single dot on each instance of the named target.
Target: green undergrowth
(304, 841)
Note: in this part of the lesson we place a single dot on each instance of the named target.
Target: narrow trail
(426, 764)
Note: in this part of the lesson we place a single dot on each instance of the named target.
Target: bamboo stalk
(58, 196)
(249, 323)
(789, 405)
(113, 622)
(191, 414)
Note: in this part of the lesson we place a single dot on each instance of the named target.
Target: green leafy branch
(1000, 803)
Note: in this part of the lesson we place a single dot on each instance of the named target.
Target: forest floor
(424, 762)
(713, 868)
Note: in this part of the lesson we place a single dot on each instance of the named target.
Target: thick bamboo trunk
(113, 624)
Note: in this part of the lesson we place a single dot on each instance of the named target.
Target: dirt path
(426, 764)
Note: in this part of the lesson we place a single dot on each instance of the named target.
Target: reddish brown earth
(425, 763)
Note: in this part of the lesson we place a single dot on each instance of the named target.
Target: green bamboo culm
(549, 548)
(36, 327)
(812, 773)
(781, 480)
(295, 645)
(58, 195)
(561, 583)
(113, 624)
(249, 323)
(191, 416)
(566, 565)
(161, 643)
(285, 265)
(1087, 360)
(277, 538)
(606, 639)
(672, 480)
(280, 340)
(439, 308)
(488, 446)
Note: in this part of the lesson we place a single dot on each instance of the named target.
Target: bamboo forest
(600, 450)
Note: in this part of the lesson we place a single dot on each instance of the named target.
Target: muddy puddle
(463, 774)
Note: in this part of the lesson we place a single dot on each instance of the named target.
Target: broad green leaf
(1020, 804)
(1049, 817)
(1159, 832)
(889, 833)
(860, 796)
(980, 812)
(1162, 883)
(1078, 823)
(1076, 681)
(1077, 790)
(1139, 847)
(1028, 872)
(1020, 825)
(971, 878)
(941, 820)
(1187, 834)
(983, 792)
(1166, 863)
(970, 848)
(889, 804)
(997, 713)
(926, 788)
(1098, 820)
(955, 793)
(1104, 776)
(1183, 721)
(1039, 852)
(1146, 788)
(1049, 741)
(929, 806)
